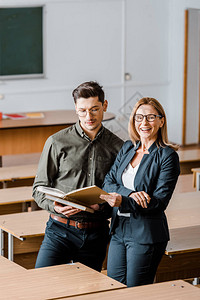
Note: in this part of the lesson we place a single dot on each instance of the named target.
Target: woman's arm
(163, 190)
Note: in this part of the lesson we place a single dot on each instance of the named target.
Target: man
(76, 157)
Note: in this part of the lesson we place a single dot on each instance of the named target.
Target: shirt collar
(84, 135)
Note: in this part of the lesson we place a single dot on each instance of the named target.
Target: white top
(128, 177)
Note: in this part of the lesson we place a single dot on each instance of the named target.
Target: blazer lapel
(142, 170)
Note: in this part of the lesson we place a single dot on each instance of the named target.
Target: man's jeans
(63, 243)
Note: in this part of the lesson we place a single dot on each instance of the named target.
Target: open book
(81, 198)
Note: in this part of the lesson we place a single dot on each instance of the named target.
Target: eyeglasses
(149, 118)
(92, 111)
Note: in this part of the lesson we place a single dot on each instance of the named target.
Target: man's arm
(47, 170)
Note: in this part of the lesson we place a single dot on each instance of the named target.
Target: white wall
(82, 42)
(192, 104)
(101, 40)
(146, 56)
(176, 48)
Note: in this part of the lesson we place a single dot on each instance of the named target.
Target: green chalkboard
(21, 41)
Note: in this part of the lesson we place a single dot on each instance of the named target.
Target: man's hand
(113, 199)
(65, 210)
(141, 198)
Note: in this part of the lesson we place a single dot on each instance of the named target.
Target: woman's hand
(65, 210)
(141, 198)
(113, 199)
(95, 206)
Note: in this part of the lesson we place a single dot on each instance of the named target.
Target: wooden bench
(14, 200)
(17, 173)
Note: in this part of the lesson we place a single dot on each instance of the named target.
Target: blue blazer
(157, 176)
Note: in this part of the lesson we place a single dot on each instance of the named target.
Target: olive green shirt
(71, 160)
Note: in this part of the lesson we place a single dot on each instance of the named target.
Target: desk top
(188, 155)
(184, 210)
(16, 195)
(54, 282)
(179, 218)
(7, 266)
(178, 289)
(54, 117)
(25, 224)
(184, 200)
(183, 240)
(185, 184)
(18, 172)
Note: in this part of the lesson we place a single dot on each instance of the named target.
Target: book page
(51, 191)
(70, 203)
(87, 195)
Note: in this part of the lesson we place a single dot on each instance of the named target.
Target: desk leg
(5, 184)
(196, 281)
(2, 242)
(10, 246)
(198, 181)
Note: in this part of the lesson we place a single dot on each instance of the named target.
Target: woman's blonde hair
(162, 139)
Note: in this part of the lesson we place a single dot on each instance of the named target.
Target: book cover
(35, 115)
(83, 197)
(15, 116)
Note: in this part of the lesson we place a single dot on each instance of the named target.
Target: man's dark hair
(87, 90)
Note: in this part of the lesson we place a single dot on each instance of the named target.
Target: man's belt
(76, 224)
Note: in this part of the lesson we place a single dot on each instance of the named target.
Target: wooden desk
(189, 158)
(7, 266)
(184, 240)
(15, 200)
(184, 210)
(15, 173)
(179, 290)
(56, 282)
(29, 135)
(183, 250)
(20, 159)
(25, 235)
(196, 178)
(182, 255)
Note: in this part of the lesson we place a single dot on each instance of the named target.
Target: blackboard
(21, 41)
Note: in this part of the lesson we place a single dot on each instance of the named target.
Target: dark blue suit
(157, 176)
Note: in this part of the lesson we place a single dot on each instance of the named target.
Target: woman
(141, 183)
